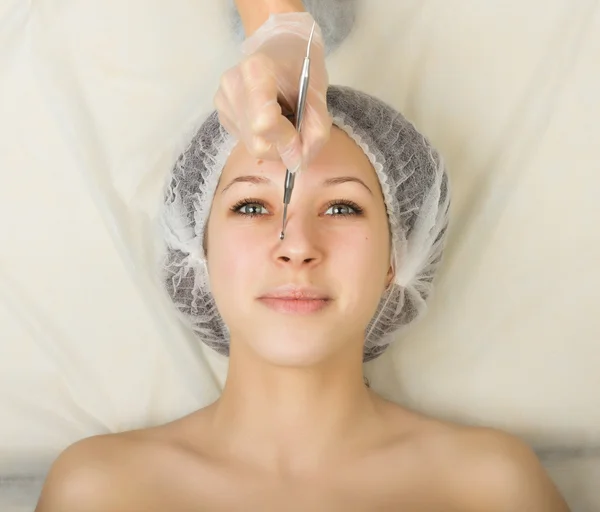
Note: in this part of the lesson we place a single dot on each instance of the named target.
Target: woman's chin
(299, 349)
(297, 340)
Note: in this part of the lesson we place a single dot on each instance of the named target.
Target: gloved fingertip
(291, 153)
(310, 151)
(293, 164)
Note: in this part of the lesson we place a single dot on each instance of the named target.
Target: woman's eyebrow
(345, 179)
(262, 180)
(256, 180)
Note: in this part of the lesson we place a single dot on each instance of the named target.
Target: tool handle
(302, 90)
(290, 177)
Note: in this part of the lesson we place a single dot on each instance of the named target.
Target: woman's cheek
(234, 256)
(365, 255)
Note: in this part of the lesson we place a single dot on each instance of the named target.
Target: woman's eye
(252, 209)
(341, 209)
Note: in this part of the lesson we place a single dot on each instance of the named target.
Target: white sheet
(95, 99)
(20, 494)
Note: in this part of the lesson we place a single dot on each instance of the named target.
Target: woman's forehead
(340, 156)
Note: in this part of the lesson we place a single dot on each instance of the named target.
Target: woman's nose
(301, 244)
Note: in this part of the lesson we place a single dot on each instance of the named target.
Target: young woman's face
(300, 300)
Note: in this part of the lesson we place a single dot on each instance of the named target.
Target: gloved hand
(255, 95)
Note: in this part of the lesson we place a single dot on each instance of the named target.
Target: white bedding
(96, 98)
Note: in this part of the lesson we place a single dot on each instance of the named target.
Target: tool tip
(310, 38)
(281, 235)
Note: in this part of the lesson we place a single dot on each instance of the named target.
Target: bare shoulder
(88, 476)
(136, 470)
(497, 472)
(475, 469)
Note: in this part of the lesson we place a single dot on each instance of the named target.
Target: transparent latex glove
(255, 96)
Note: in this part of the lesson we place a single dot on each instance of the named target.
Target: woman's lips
(295, 299)
(293, 305)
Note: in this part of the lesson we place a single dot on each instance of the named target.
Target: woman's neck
(292, 419)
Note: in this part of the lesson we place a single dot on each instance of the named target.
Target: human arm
(255, 12)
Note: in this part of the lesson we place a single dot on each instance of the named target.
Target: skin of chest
(187, 482)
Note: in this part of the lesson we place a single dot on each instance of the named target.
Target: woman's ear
(391, 274)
